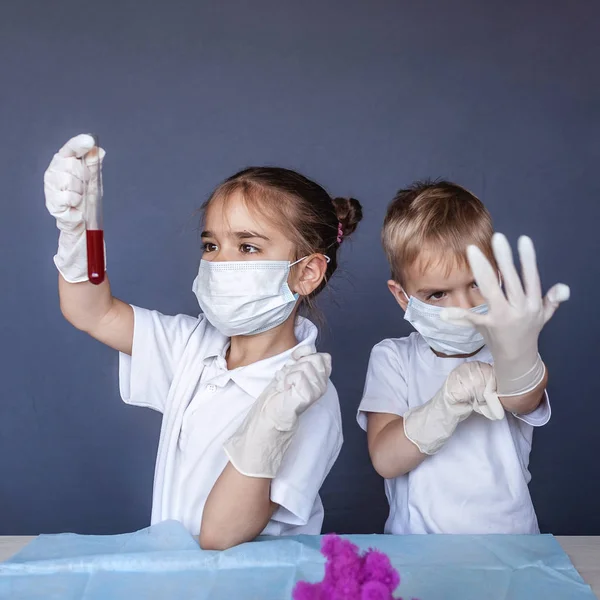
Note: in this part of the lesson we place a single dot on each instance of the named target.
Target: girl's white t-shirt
(178, 368)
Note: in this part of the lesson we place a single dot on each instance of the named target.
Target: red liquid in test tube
(93, 218)
(95, 255)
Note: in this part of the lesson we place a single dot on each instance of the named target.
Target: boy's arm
(528, 402)
(399, 444)
(391, 452)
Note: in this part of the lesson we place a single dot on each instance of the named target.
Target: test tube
(94, 225)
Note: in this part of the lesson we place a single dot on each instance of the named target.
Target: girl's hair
(315, 222)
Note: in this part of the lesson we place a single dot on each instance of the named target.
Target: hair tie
(340, 233)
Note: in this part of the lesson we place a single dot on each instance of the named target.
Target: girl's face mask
(245, 297)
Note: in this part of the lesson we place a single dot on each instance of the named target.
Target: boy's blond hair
(437, 216)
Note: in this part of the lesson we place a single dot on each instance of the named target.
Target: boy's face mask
(443, 337)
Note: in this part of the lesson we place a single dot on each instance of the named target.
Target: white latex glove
(64, 182)
(257, 448)
(514, 320)
(469, 388)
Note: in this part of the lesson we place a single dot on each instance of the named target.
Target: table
(584, 552)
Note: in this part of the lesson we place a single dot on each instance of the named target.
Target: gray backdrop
(363, 96)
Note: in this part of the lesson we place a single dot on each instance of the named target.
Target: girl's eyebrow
(246, 235)
(240, 235)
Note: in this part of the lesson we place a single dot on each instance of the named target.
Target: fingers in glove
(482, 382)
(303, 375)
(302, 351)
(298, 353)
(60, 181)
(531, 275)
(463, 317)
(296, 402)
(556, 294)
(71, 165)
(94, 156)
(504, 258)
(496, 410)
(309, 384)
(77, 146)
(321, 361)
(63, 203)
(489, 406)
(485, 276)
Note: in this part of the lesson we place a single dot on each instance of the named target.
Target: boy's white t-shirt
(477, 482)
(178, 368)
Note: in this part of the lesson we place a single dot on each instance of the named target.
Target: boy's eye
(248, 249)
(474, 285)
(209, 247)
(436, 296)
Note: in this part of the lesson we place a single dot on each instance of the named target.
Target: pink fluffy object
(350, 575)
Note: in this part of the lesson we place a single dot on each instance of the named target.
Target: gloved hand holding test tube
(73, 189)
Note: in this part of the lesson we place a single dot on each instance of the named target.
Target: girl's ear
(309, 274)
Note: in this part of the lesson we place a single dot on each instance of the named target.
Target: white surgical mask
(443, 337)
(245, 297)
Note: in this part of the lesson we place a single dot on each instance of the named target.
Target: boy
(450, 434)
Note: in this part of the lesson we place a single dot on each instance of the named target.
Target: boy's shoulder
(401, 347)
(399, 355)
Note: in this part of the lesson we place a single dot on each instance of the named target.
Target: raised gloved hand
(257, 448)
(469, 388)
(514, 320)
(64, 182)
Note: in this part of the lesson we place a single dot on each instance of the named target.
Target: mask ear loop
(301, 259)
(305, 257)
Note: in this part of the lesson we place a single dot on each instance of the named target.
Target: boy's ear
(398, 292)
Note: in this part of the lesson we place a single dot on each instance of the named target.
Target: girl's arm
(88, 307)
(237, 510)
(93, 309)
(239, 506)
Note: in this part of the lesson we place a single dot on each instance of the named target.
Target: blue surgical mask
(443, 337)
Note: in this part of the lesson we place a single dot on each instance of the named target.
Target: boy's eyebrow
(206, 234)
(440, 289)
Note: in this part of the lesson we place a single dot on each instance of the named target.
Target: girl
(251, 423)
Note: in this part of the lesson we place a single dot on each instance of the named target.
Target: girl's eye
(474, 285)
(248, 249)
(209, 247)
(436, 296)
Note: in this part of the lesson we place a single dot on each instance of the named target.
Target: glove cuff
(508, 386)
(427, 432)
(71, 257)
(256, 457)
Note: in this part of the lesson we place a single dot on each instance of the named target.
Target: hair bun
(349, 213)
